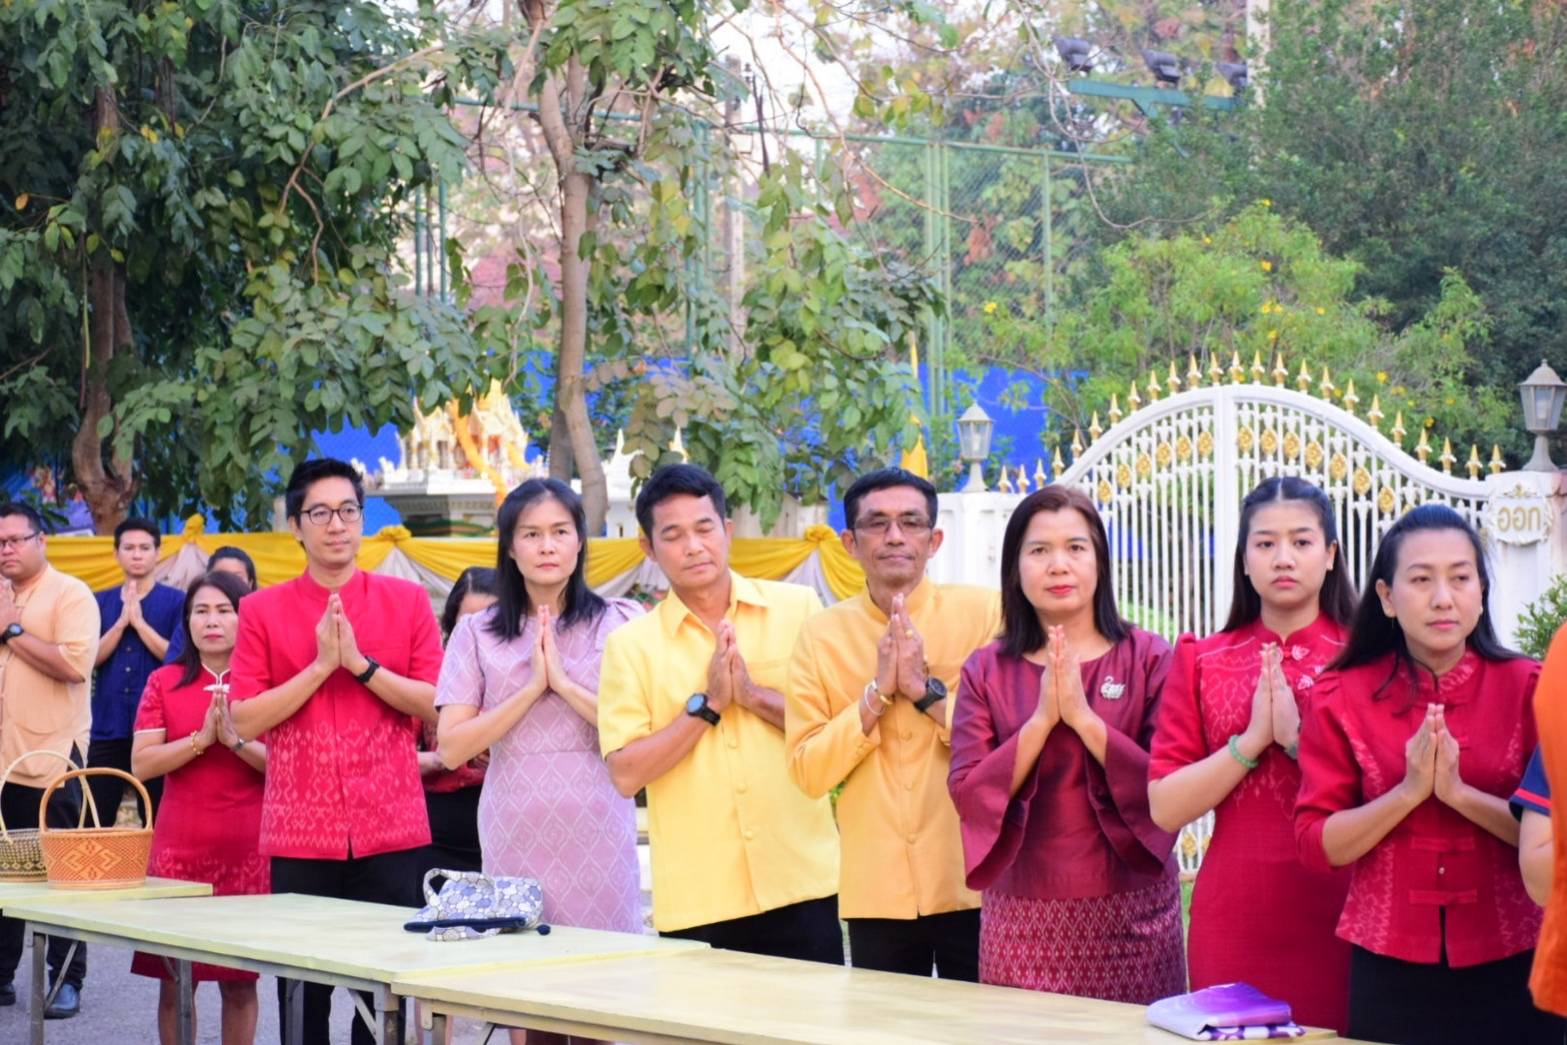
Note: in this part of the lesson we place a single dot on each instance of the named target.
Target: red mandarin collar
(1319, 630)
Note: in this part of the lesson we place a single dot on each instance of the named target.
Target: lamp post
(1543, 394)
(974, 431)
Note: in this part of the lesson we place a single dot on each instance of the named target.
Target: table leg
(437, 1021)
(294, 1012)
(185, 1014)
(35, 1008)
(388, 1018)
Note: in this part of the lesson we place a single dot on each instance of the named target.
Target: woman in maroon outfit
(1227, 740)
(1417, 739)
(1050, 773)
(209, 823)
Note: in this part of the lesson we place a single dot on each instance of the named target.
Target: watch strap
(371, 667)
(702, 710)
(931, 697)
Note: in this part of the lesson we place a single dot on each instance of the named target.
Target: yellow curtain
(279, 558)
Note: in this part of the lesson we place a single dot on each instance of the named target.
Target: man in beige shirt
(48, 642)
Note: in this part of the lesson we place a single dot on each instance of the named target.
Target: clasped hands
(900, 657)
(1431, 762)
(218, 725)
(1275, 714)
(1061, 696)
(728, 679)
(336, 644)
(549, 671)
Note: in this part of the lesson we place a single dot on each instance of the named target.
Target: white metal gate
(1170, 477)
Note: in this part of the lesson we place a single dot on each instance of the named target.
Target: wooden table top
(151, 889)
(342, 937)
(746, 999)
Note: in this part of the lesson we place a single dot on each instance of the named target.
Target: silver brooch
(1112, 690)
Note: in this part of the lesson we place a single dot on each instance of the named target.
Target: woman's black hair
(512, 607)
(1336, 600)
(475, 580)
(1373, 634)
(231, 586)
(228, 551)
(1021, 631)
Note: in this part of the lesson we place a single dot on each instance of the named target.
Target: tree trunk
(109, 486)
(572, 447)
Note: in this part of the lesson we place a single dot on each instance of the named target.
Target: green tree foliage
(1258, 287)
(199, 207)
(1413, 139)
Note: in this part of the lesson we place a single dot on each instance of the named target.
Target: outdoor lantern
(1234, 74)
(974, 431)
(1166, 68)
(1543, 395)
(1075, 53)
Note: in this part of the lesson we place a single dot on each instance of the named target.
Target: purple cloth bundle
(1227, 1012)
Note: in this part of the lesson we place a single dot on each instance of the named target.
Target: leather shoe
(66, 1004)
(8, 994)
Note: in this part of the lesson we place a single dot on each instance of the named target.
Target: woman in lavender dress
(521, 680)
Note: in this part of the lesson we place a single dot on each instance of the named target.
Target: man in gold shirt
(691, 708)
(48, 643)
(870, 688)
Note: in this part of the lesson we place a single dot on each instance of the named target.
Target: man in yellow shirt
(691, 708)
(48, 644)
(870, 687)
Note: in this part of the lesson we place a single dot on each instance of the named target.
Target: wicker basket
(21, 857)
(95, 857)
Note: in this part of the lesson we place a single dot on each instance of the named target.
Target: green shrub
(1540, 620)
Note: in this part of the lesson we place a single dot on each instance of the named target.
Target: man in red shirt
(337, 667)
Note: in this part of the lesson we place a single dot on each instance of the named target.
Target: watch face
(697, 702)
(12, 630)
(936, 688)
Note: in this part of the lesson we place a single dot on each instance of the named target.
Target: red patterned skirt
(1121, 947)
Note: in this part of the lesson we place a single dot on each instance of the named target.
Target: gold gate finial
(1153, 387)
(1375, 415)
(1497, 464)
(1303, 379)
(1193, 374)
(1237, 374)
(1281, 373)
(1398, 430)
(1351, 400)
(1022, 479)
(1115, 410)
(1326, 387)
(1423, 447)
(1134, 401)
(1173, 382)
(1056, 464)
(1447, 458)
(1077, 443)
(1215, 373)
(1095, 430)
(1005, 482)
(1473, 464)
(1040, 478)
(1259, 373)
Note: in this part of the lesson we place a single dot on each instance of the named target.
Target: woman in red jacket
(1419, 735)
(1228, 729)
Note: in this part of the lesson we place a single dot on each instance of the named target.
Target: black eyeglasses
(321, 515)
(881, 525)
(7, 543)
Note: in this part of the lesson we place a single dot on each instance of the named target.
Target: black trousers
(808, 930)
(1414, 1003)
(390, 878)
(19, 805)
(454, 831)
(107, 791)
(947, 942)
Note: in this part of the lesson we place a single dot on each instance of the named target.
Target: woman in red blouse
(1228, 730)
(1418, 737)
(1049, 773)
(208, 826)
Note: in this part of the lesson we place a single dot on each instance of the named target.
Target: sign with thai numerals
(1518, 516)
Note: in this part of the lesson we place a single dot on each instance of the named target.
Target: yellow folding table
(342, 943)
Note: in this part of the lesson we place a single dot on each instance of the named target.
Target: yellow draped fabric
(279, 558)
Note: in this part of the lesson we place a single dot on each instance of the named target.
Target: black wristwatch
(11, 631)
(697, 708)
(371, 667)
(935, 690)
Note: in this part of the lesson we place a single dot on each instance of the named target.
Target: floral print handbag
(471, 905)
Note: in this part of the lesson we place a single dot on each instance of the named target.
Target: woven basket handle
(43, 803)
(18, 761)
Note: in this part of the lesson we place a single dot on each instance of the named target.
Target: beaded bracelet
(1235, 753)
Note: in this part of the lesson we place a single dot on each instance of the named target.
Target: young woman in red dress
(1050, 773)
(1227, 736)
(209, 823)
(1418, 737)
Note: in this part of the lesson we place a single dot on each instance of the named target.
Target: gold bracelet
(193, 745)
